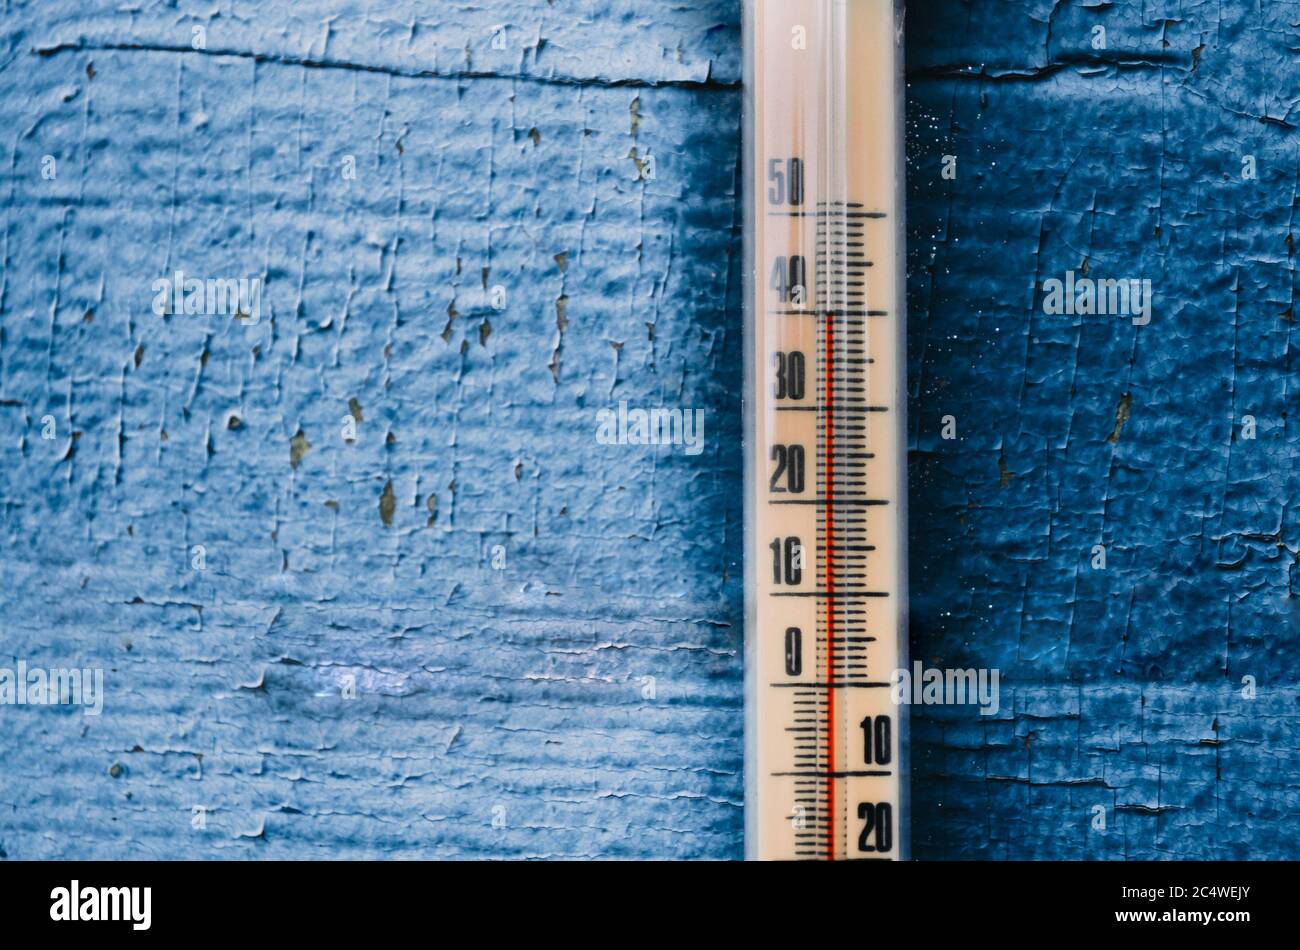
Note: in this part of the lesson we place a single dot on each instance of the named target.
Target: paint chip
(1122, 412)
(298, 447)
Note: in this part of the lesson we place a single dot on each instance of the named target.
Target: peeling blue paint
(1122, 687)
(352, 465)
(583, 700)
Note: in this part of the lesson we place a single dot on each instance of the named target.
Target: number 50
(785, 181)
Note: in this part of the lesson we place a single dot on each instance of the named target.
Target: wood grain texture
(507, 713)
(1122, 688)
(584, 700)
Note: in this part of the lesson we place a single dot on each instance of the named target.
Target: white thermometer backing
(825, 457)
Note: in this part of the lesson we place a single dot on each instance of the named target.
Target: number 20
(879, 818)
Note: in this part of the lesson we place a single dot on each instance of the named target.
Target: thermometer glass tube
(825, 457)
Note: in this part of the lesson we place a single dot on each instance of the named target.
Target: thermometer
(824, 452)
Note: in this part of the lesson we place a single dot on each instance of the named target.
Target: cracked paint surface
(1121, 687)
(584, 699)
(353, 464)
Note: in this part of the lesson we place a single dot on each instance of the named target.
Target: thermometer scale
(825, 456)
